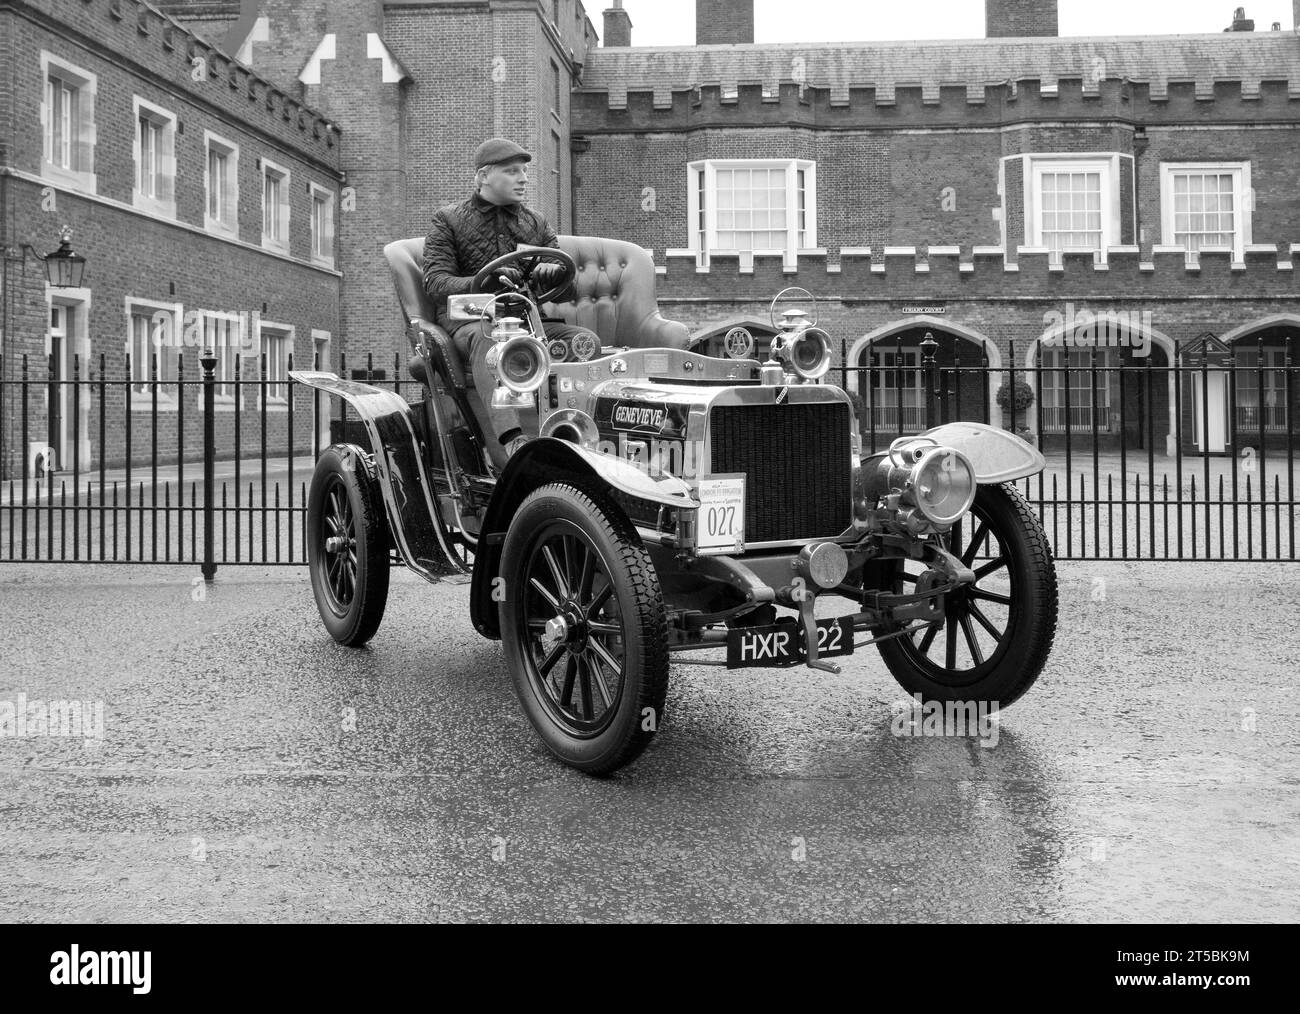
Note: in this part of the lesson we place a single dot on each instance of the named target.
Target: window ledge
(162, 209)
(221, 403)
(275, 245)
(218, 228)
(144, 403)
(86, 182)
(323, 262)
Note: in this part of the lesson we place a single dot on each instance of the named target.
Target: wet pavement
(250, 770)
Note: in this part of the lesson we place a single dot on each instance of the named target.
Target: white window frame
(82, 144)
(327, 198)
(1240, 171)
(1108, 165)
(1274, 376)
(277, 366)
(224, 399)
(888, 405)
(1051, 392)
(167, 346)
(269, 242)
(229, 199)
(163, 201)
(704, 173)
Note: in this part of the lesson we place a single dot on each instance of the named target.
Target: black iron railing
(125, 470)
(1171, 460)
(1146, 460)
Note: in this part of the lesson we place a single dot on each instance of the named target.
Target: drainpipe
(1140, 142)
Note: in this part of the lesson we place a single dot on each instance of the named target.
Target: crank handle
(810, 637)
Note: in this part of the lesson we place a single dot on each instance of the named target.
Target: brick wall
(907, 173)
(724, 22)
(1019, 18)
(132, 254)
(141, 258)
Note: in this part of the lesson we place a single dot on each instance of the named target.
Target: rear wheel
(996, 634)
(347, 547)
(584, 628)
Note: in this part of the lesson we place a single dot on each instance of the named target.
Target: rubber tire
(358, 623)
(640, 601)
(1033, 612)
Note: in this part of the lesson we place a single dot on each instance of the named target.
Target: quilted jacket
(466, 236)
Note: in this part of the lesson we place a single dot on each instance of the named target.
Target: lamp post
(64, 267)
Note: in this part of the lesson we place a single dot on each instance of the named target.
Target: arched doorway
(885, 375)
(1263, 409)
(1090, 379)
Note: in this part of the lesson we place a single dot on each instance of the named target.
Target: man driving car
(462, 240)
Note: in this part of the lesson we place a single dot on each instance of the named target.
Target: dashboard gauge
(559, 350)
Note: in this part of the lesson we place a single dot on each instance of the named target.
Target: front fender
(997, 455)
(538, 462)
(404, 480)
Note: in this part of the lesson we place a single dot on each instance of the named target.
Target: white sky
(672, 22)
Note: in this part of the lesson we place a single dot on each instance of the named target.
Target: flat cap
(498, 149)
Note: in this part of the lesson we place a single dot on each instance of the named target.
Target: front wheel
(997, 633)
(347, 547)
(583, 627)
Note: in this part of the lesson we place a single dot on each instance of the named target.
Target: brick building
(203, 199)
(991, 192)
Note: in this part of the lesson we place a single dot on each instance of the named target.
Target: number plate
(783, 644)
(720, 526)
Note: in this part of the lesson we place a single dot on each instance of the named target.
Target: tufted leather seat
(616, 295)
(615, 298)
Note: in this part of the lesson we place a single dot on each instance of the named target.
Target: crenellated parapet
(917, 104)
(949, 273)
(138, 31)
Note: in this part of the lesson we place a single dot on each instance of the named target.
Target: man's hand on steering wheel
(547, 271)
(514, 276)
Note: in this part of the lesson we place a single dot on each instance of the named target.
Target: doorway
(1210, 408)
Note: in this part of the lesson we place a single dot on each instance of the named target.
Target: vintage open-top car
(672, 502)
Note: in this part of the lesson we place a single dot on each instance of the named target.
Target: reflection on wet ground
(250, 770)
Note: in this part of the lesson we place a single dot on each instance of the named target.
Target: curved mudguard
(537, 463)
(998, 455)
(400, 463)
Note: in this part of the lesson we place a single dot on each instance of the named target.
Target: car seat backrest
(615, 291)
(615, 288)
(406, 260)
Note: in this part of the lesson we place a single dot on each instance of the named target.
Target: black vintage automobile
(673, 502)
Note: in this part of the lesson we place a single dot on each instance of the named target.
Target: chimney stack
(1295, 8)
(724, 22)
(618, 26)
(1241, 23)
(1018, 19)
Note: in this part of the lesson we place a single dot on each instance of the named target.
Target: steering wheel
(527, 258)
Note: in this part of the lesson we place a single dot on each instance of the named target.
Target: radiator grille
(798, 466)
